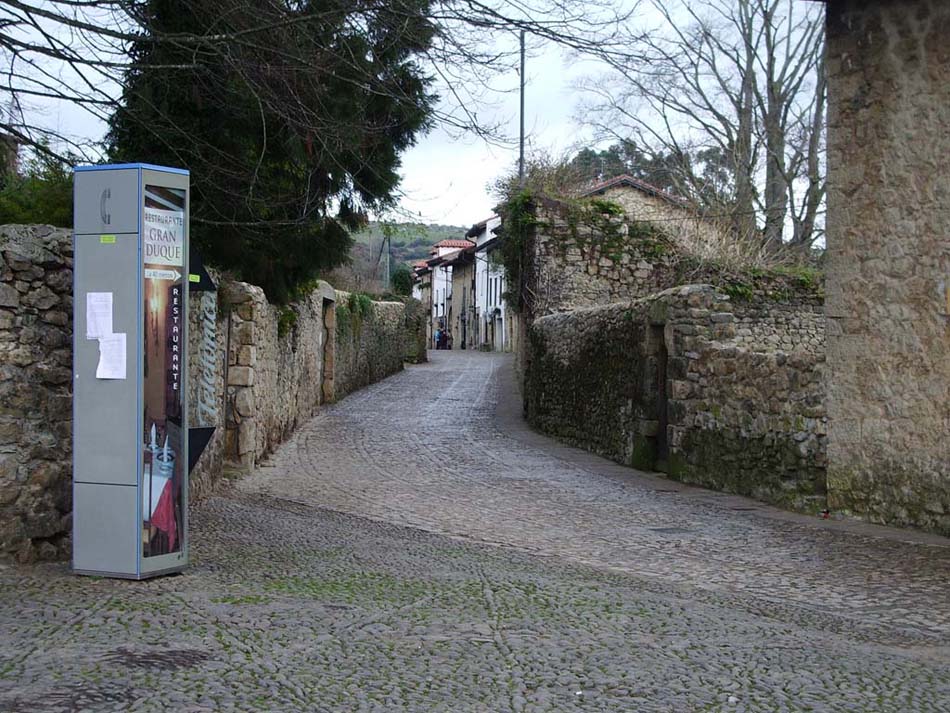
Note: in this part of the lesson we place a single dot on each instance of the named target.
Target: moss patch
(643, 455)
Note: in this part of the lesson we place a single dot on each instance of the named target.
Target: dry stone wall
(35, 391)
(256, 372)
(370, 341)
(765, 323)
(284, 362)
(888, 257)
(594, 252)
(275, 367)
(579, 258)
(667, 382)
(678, 220)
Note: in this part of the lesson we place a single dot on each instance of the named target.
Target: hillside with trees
(411, 242)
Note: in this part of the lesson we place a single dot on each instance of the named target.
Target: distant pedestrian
(438, 338)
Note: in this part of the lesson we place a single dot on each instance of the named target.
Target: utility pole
(389, 257)
(521, 139)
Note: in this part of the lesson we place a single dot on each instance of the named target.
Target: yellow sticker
(192, 277)
(107, 239)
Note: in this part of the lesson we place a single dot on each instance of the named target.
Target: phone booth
(130, 368)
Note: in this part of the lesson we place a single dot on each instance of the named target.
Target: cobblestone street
(360, 570)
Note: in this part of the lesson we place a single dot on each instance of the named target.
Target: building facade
(888, 260)
(440, 280)
(491, 314)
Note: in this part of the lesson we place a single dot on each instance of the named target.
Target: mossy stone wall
(740, 415)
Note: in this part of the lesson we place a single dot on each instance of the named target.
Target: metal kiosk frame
(130, 411)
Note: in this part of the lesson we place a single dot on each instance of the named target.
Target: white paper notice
(111, 357)
(98, 315)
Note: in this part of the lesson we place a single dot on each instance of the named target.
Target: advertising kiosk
(130, 337)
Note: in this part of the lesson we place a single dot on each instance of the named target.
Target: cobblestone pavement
(348, 576)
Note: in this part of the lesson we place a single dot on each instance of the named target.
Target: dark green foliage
(626, 158)
(704, 176)
(285, 321)
(402, 281)
(292, 133)
(809, 278)
(737, 290)
(360, 305)
(44, 194)
(518, 222)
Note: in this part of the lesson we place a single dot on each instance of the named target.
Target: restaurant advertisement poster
(163, 257)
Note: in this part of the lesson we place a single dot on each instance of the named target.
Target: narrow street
(417, 547)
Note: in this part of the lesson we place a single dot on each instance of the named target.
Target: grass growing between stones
(238, 600)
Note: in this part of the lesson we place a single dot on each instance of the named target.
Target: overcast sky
(446, 179)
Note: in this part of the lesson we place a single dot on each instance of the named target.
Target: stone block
(60, 280)
(680, 390)
(57, 317)
(9, 296)
(52, 374)
(244, 402)
(247, 437)
(246, 355)
(241, 376)
(29, 272)
(24, 355)
(244, 333)
(42, 298)
(46, 474)
(59, 407)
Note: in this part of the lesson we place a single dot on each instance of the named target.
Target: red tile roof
(452, 243)
(632, 182)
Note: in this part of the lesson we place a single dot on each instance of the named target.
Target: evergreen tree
(626, 158)
(43, 194)
(290, 135)
(401, 281)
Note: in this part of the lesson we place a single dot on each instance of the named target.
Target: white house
(492, 318)
(441, 281)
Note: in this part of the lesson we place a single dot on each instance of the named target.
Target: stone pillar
(888, 260)
(246, 303)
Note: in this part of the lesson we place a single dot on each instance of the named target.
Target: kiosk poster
(163, 251)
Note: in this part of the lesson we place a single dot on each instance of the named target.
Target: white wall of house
(442, 292)
(491, 313)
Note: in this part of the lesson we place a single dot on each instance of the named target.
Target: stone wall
(283, 362)
(371, 340)
(679, 220)
(598, 251)
(35, 391)
(275, 367)
(667, 382)
(796, 323)
(889, 260)
(579, 257)
(257, 371)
